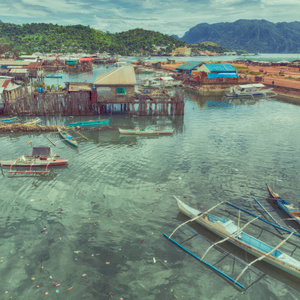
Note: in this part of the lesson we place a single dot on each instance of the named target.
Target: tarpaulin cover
(222, 75)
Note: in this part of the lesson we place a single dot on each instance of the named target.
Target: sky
(165, 16)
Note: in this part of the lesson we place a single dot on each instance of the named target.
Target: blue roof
(220, 68)
(189, 65)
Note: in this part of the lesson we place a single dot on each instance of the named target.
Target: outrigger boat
(8, 120)
(291, 210)
(227, 229)
(88, 123)
(250, 90)
(148, 131)
(67, 138)
(33, 121)
(40, 157)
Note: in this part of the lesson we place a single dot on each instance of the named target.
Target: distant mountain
(250, 35)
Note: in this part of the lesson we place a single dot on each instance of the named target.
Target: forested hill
(249, 35)
(29, 38)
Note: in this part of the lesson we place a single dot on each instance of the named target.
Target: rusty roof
(80, 87)
(120, 76)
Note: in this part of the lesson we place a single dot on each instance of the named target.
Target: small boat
(33, 121)
(148, 131)
(53, 76)
(67, 138)
(227, 229)
(88, 123)
(250, 90)
(8, 120)
(286, 206)
(40, 157)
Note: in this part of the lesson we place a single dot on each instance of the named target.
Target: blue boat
(8, 120)
(54, 76)
(88, 123)
(292, 211)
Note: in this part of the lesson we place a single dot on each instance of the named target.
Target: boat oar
(80, 134)
(266, 212)
(50, 141)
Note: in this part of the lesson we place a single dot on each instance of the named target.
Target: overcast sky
(165, 16)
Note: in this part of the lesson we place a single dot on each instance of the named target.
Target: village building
(116, 84)
(217, 73)
(182, 51)
(186, 69)
(8, 90)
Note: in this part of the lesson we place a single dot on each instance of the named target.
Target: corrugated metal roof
(121, 76)
(189, 65)
(10, 62)
(18, 71)
(75, 87)
(220, 68)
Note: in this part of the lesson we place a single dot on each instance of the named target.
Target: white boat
(227, 229)
(160, 82)
(250, 90)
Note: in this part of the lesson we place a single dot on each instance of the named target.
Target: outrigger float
(40, 157)
(229, 231)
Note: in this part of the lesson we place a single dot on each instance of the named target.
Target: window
(121, 91)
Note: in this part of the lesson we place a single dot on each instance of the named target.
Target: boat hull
(35, 163)
(284, 205)
(220, 231)
(88, 123)
(145, 132)
(8, 120)
(64, 136)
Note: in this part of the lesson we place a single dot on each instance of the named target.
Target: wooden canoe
(292, 211)
(67, 138)
(147, 131)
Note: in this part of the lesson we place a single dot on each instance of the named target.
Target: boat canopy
(254, 85)
(41, 151)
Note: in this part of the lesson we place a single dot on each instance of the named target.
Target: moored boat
(40, 157)
(67, 138)
(8, 120)
(291, 210)
(33, 121)
(227, 229)
(88, 123)
(148, 131)
(250, 90)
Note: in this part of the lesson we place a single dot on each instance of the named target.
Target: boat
(67, 138)
(53, 76)
(88, 123)
(40, 157)
(8, 120)
(250, 90)
(148, 131)
(291, 210)
(229, 231)
(33, 121)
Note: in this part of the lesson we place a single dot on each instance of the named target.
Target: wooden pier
(83, 103)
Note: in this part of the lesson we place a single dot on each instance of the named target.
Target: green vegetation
(209, 46)
(30, 38)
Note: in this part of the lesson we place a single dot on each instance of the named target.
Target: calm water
(96, 227)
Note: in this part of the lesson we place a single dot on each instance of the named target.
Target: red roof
(85, 59)
(6, 83)
(33, 65)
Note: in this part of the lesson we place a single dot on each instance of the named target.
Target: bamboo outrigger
(227, 229)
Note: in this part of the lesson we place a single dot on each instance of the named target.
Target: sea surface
(94, 229)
